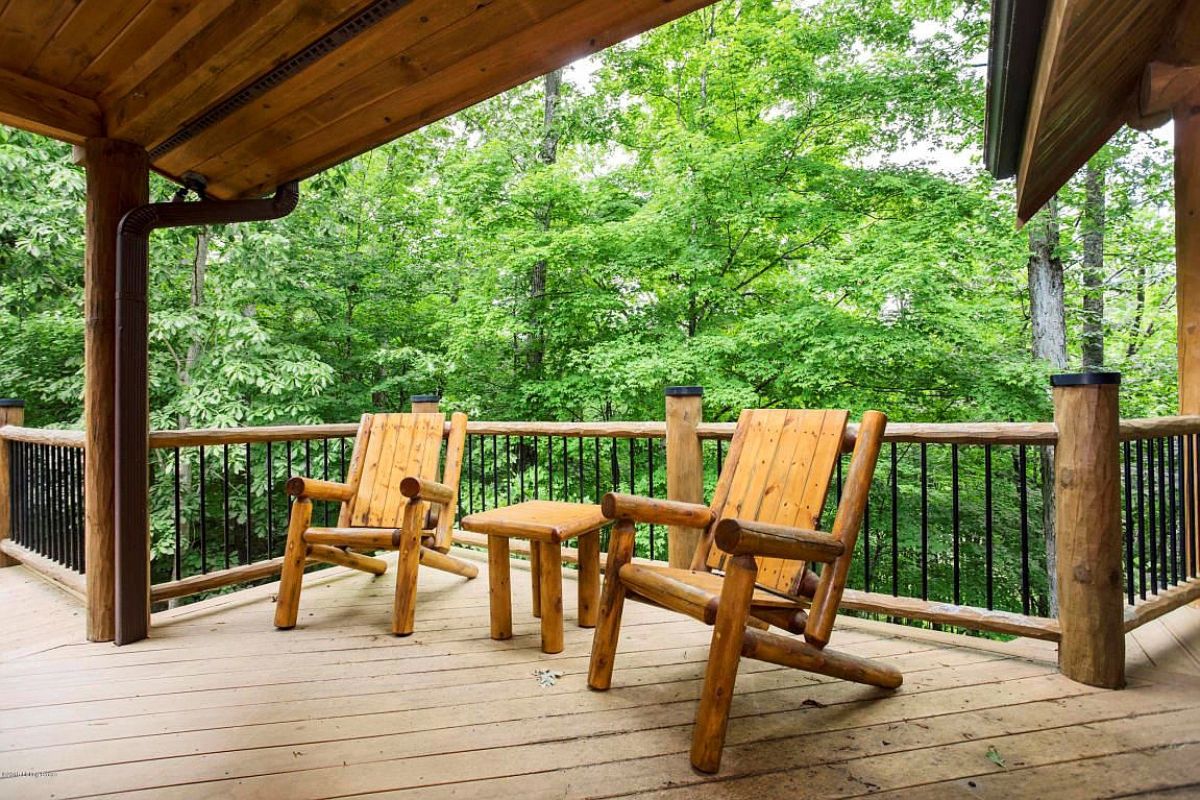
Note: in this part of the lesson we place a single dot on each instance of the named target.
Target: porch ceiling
(1083, 85)
(253, 93)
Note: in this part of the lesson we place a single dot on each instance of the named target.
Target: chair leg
(408, 563)
(612, 602)
(589, 578)
(724, 655)
(287, 602)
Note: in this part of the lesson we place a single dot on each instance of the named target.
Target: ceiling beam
(1164, 86)
(48, 110)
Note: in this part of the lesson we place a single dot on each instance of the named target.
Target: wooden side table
(546, 524)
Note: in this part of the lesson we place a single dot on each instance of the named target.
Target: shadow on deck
(218, 703)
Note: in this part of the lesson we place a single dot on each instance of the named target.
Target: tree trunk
(1093, 268)
(1047, 313)
(547, 154)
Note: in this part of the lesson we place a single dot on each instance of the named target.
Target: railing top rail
(49, 436)
(965, 433)
(1152, 427)
(977, 433)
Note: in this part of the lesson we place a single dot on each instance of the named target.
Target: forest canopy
(783, 202)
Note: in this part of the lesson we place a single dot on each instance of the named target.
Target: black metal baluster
(596, 442)
(203, 520)
(1141, 518)
(1023, 488)
(324, 475)
(1152, 516)
(1172, 518)
(249, 557)
(178, 521)
(650, 485)
(720, 456)
(924, 522)
(495, 475)
(508, 469)
(550, 467)
(1128, 468)
(867, 544)
(270, 485)
(988, 529)
(225, 499)
(566, 472)
(895, 523)
(536, 465)
(580, 454)
(955, 523)
(521, 465)
(77, 483)
(308, 458)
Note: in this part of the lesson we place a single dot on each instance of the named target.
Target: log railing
(955, 531)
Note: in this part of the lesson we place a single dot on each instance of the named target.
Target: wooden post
(1187, 272)
(1087, 483)
(12, 412)
(117, 181)
(685, 466)
(426, 403)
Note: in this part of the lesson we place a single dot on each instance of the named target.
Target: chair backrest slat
(397, 446)
(780, 474)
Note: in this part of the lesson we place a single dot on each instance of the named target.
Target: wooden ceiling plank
(582, 29)
(488, 26)
(391, 37)
(25, 28)
(1053, 36)
(41, 108)
(244, 42)
(87, 32)
(156, 36)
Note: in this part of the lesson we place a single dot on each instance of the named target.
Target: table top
(542, 520)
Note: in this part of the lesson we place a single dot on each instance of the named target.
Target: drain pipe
(131, 465)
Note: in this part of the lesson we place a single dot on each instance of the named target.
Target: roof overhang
(1063, 78)
(250, 94)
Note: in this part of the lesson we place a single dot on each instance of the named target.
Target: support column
(117, 181)
(426, 403)
(1187, 271)
(685, 466)
(12, 412)
(1087, 483)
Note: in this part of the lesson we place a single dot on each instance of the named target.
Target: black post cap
(1086, 379)
(685, 391)
(425, 398)
(9, 402)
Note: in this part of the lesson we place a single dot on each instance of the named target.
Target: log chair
(390, 501)
(750, 569)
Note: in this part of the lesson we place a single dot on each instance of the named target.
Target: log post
(117, 181)
(1187, 276)
(1087, 483)
(685, 466)
(426, 403)
(12, 412)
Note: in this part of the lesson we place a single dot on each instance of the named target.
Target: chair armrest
(315, 489)
(429, 491)
(659, 512)
(741, 537)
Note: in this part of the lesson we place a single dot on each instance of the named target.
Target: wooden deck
(219, 704)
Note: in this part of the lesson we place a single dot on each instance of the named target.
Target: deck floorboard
(219, 704)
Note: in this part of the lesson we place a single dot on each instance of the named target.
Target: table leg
(589, 579)
(535, 570)
(499, 589)
(552, 613)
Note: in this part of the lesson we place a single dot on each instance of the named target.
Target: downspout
(132, 465)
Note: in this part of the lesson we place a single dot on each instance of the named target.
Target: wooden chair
(390, 500)
(766, 505)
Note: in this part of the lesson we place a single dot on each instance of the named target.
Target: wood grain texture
(218, 704)
(1087, 485)
(9, 415)
(685, 472)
